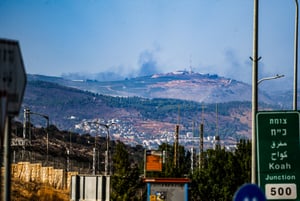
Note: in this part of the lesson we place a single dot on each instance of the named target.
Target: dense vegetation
(220, 175)
(166, 106)
(171, 110)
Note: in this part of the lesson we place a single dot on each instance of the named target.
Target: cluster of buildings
(126, 133)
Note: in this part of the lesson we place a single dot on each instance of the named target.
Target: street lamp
(255, 60)
(47, 137)
(269, 78)
(95, 149)
(106, 126)
(255, 81)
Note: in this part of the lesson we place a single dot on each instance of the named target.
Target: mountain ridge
(184, 85)
(72, 104)
(139, 119)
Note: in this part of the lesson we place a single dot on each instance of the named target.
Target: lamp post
(255, 60)
(255, 81)
(107, 155)
(269, 78)
(94, 149)
(106, 126)
(47, 137)
(47, 134)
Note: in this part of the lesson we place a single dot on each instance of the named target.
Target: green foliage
(125, 181)
(223, 173)
(163, 107)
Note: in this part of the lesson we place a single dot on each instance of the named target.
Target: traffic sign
(12, 75)
(277, 154)
(249, 192)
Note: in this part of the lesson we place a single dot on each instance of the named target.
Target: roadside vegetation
(221, 173)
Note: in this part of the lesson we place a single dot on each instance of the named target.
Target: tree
(223, 173)
(125, 181)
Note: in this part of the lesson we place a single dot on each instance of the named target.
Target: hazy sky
(137, 37)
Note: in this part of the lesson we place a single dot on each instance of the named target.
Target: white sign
(12, 75)
(281, 191)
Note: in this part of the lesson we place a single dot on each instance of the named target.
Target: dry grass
(24, 191)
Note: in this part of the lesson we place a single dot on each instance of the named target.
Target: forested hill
(69, 106)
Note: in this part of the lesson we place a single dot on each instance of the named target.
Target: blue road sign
(249, 192)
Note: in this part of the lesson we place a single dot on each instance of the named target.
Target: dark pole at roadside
(254, 89)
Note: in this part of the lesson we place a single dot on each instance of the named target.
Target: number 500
(281, 191)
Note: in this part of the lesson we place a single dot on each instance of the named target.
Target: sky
(140, 37)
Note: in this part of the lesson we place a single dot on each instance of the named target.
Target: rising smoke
(148, 64)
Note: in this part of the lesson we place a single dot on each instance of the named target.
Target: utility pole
(201, 161)
(201, 148)
(255, 60)
(176, 142)
(217, 137)
(47, 129)
(176, 146)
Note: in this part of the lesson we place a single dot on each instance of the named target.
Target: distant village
(126, 133)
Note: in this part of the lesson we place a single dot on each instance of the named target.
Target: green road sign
(278, 164)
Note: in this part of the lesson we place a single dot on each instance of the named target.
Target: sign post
(12, 87)
(277, 154)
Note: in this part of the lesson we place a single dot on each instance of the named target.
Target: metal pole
(7, 160)
(106, 166)
(94, 160)
(107, 154)
(3, 119)
(47, 133)
(47, 118)
(70, 150)
(254, 89)
(107, 150)
(296, 58)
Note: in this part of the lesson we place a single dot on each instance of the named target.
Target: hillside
(79, 159)
(148, 108)
(67, 107)
(180, 85)
(80, 148)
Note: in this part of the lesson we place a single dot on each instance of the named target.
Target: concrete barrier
(57, 178)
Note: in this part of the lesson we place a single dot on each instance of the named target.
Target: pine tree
(125, 181)
(223, 173)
